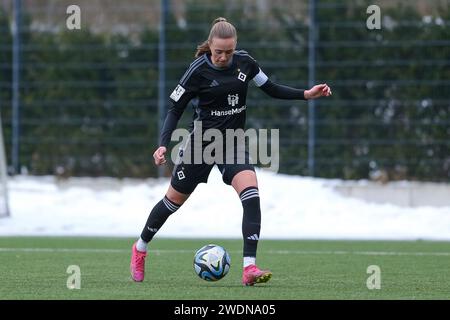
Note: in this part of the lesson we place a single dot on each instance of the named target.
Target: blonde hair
(221, 29)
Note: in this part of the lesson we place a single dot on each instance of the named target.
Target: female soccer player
(218, 80)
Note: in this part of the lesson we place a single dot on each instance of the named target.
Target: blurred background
(81, 112)
(89, 102)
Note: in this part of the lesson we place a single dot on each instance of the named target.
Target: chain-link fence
(89, 101)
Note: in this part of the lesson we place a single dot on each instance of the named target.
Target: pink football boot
(252, 274)
(137, 265)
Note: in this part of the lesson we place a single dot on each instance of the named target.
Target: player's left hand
(320, 90)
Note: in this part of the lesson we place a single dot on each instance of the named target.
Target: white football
(212, 262)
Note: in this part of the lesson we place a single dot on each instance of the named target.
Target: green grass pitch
(36, 268)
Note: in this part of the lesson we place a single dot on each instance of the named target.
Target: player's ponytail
(221, 29)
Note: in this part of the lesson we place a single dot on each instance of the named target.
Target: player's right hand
(159, 157)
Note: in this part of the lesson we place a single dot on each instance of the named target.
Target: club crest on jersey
(180, 175)
(242, 76)
(177, 93)
(233, 99)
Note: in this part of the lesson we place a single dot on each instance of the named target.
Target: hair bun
(220, 19)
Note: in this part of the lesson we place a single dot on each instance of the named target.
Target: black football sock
(161, 211)
(251, 221)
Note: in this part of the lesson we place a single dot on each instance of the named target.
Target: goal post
(4, 200)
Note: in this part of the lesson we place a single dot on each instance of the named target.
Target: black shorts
(186, 175)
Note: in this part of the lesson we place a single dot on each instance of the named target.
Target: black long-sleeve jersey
(220, 93)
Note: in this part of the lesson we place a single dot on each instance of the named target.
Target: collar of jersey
(208, 60)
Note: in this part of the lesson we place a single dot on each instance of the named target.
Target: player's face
(222, 50)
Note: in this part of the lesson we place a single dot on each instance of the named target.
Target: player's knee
(176, 197)
(243, 180)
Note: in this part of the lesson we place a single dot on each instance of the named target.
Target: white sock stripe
(248, 192)
(174, 207)
(249, 197)
(170, 205)
(167, 205)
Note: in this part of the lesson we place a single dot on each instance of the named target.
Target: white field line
(175, 251)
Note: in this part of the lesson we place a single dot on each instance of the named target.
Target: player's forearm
(282, 92)
(169, 126)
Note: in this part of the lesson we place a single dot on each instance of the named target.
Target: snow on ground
(293, 207)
